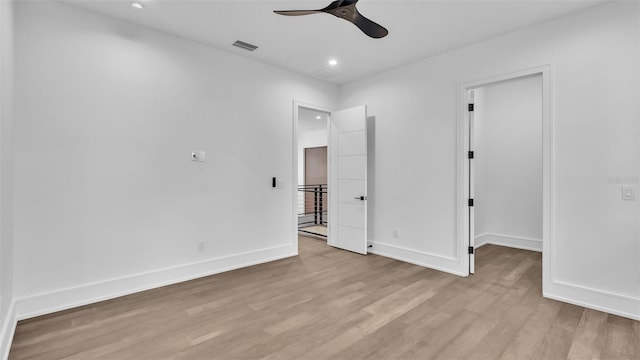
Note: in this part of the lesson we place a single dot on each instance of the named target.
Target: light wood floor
(332, 304)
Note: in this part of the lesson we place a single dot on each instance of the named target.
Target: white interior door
(348, 179)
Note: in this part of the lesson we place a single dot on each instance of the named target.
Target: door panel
(349, 120)
(348, 179)
(353, 143)
(352, 167)
(350, 187)
(351, 238)
(351, 214)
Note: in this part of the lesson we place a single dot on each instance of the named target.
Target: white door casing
(472, 217)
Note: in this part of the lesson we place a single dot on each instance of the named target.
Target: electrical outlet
(201, 246)
(628, 192)
(201, 156)
(396, 233)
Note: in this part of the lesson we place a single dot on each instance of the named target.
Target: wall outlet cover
(629, 192)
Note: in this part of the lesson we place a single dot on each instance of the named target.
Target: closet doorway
(505, 170)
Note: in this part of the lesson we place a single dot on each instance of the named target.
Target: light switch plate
(628, 192)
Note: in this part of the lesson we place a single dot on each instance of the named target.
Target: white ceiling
(417, 29)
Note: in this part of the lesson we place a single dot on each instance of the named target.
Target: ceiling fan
(344, 9)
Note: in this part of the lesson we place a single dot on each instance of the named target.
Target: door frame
(548, 159)
(297, 104)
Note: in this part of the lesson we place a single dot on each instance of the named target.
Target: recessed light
(137, 5)
(318, 117)
(333, 62)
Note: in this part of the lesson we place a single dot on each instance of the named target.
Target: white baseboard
(63, 299)
(437, 262)
(517, 242)
(600, 300)
(7, 331)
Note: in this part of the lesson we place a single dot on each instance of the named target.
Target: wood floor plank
(469, 339)
(509, 313)
(526, 343)
(559, 338)
(333, 304)
(411, 336)
(589, 339)
(636, 336)
(434, 341)
(619, 341)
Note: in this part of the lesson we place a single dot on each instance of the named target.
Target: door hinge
(470, 107)
(470, 202)
(470, 154)
(470, 250)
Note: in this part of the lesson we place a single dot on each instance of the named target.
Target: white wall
(594, 61)
(508, 163)
(107, 199)
(7, 316)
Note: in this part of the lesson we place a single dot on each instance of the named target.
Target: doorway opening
(505, 164)
(505, 133)
(330, 175)
(312, 180)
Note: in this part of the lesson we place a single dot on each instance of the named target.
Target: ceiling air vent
(324, 74)
(244, 45)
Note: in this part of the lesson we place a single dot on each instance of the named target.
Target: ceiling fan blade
(296, 12)
(339, 4)
(369, 27)
(344, 9)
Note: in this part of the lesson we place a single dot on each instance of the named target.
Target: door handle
(360, 198)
